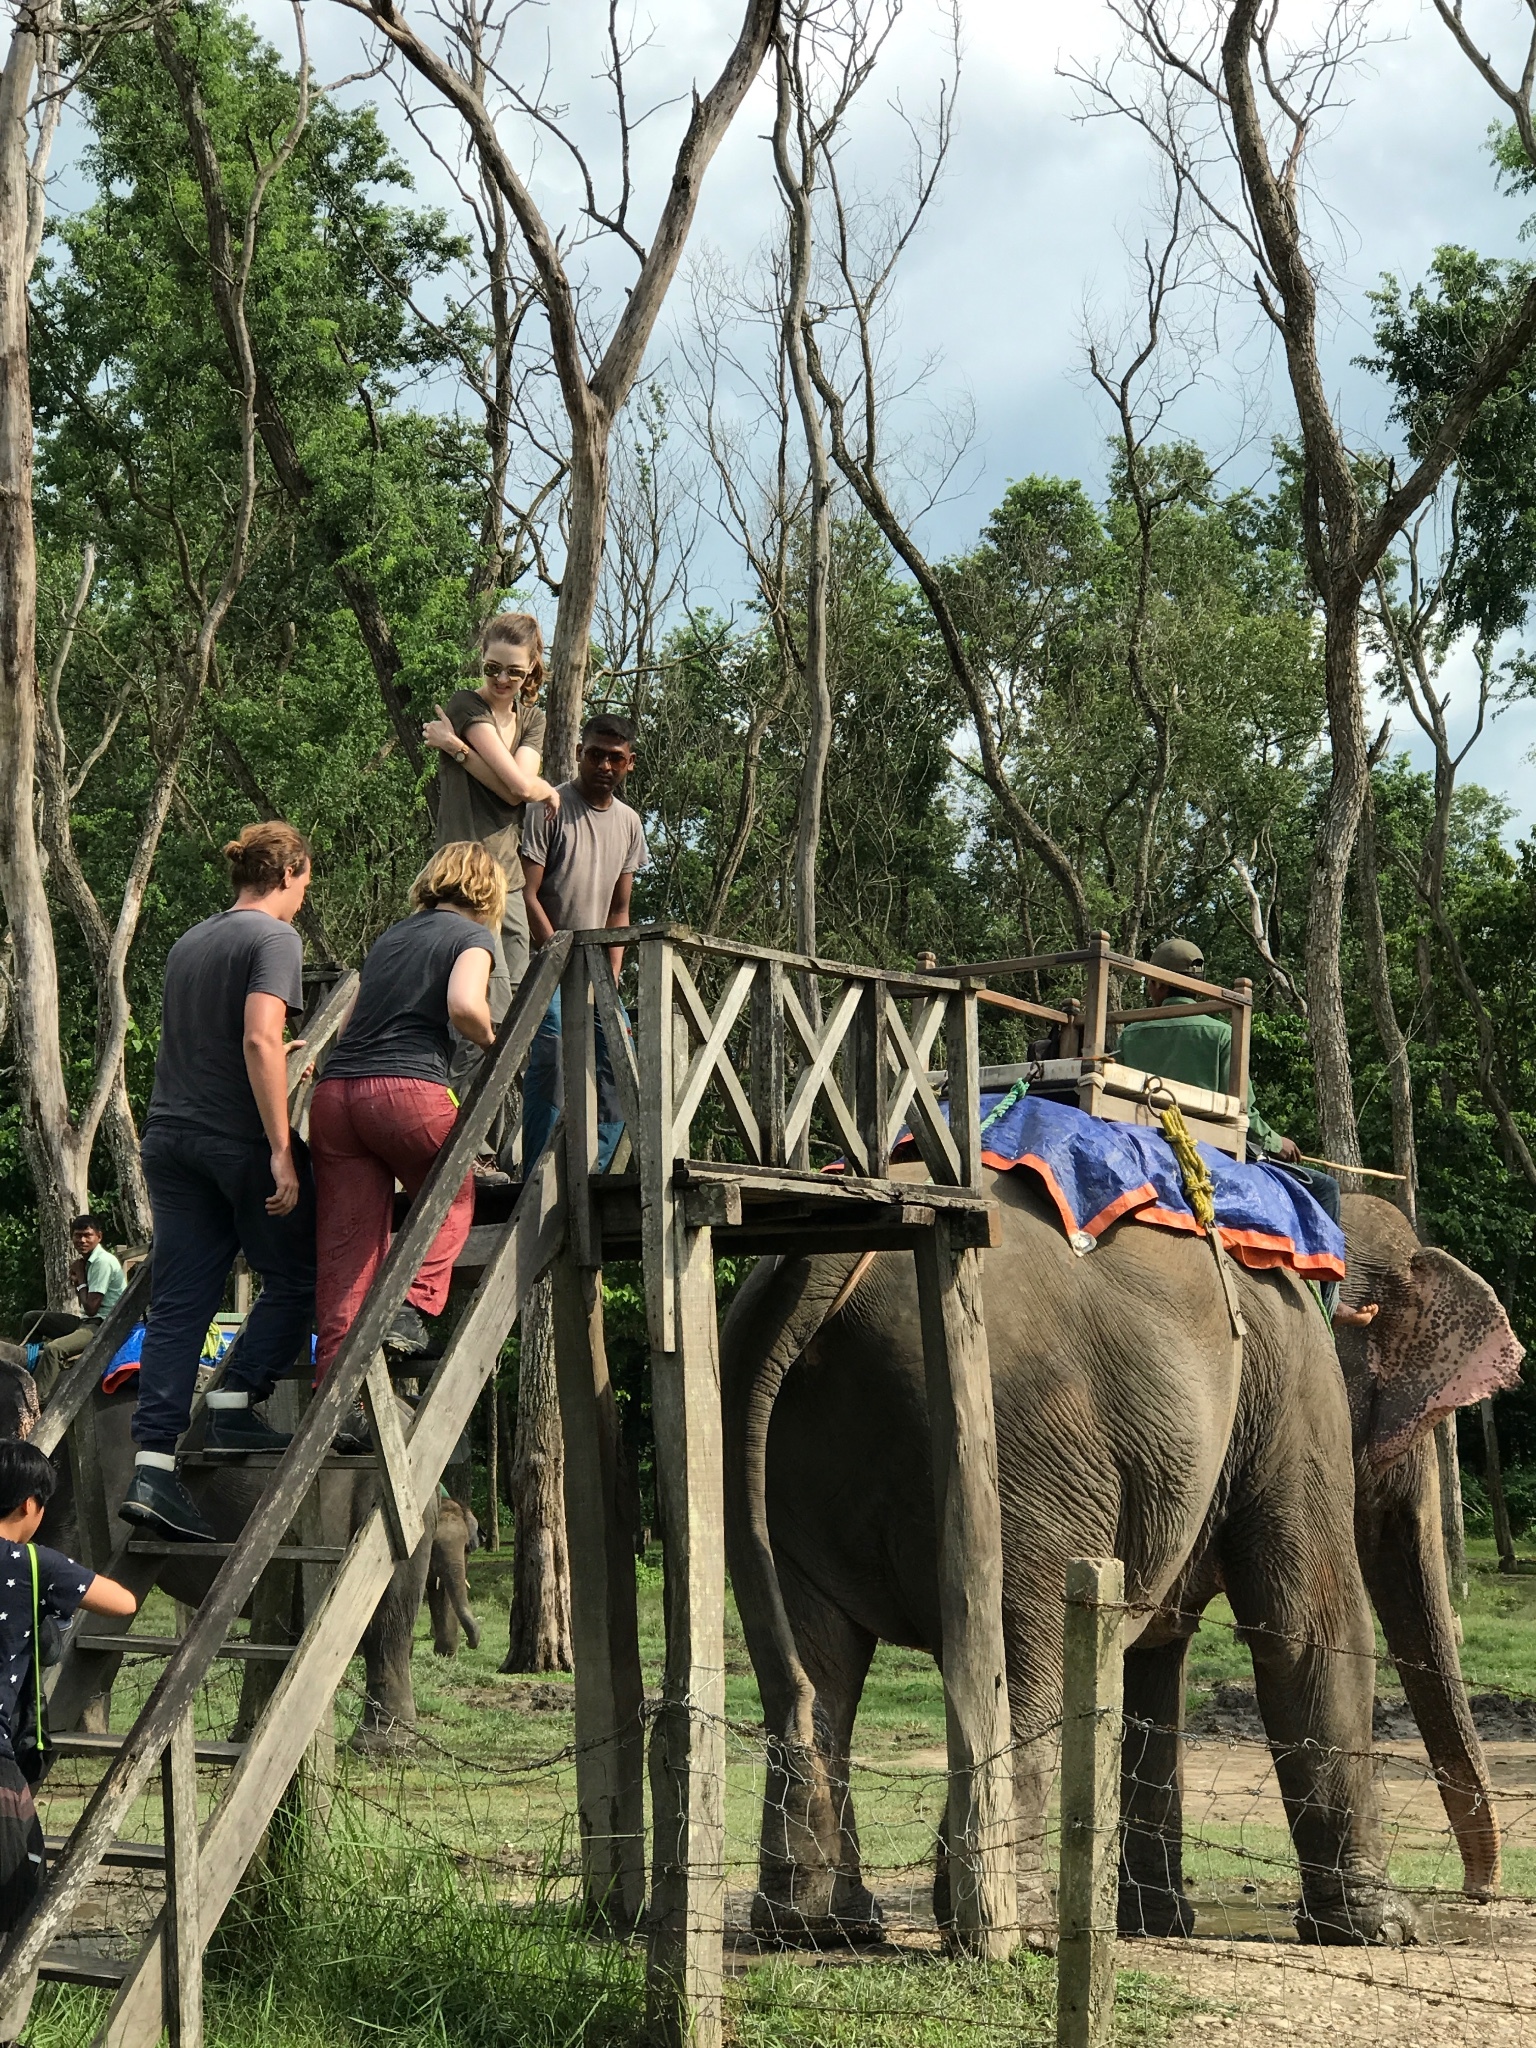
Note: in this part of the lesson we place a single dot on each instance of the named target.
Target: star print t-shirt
(61, 1586)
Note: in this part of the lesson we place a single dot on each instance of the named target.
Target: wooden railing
(770, 1058)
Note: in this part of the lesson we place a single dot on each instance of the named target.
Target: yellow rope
(1199, 1191)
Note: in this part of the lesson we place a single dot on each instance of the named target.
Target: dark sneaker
(157, 1500)
(407, 1335)
(233, 1432)
(353, 1440)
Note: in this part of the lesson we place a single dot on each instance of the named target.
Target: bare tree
(539, 1632)
(1415, 650)
(59, 1142)
(1219, 91)
(593, 393)
(843, 357)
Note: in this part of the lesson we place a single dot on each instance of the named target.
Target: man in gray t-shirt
(579, 866)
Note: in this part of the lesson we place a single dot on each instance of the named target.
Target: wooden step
(285, 1553)
(268, 1461)
(77, 1743)
(164, 1646)
(121, 1855)
(75, 1966)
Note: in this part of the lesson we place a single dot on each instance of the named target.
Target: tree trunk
(1331, 859)
(1405, 1157)
(540, 1633)
(797, 182)
(587, 516)
(58, 1173)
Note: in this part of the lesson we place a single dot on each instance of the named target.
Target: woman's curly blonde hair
(464, 875)
(522, 630)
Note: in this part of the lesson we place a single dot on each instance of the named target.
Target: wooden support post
(980, 1819)
(578, 1071)
(1242, 1048)
(1096, 994)
(610, 1693)
(658, 1206)
(868, 1079)
(768, 1065)
(687, 1917)
(963, 1055)
(1092, 1693)
(182, 1953)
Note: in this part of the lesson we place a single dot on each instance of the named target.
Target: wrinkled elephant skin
(1128, 1424)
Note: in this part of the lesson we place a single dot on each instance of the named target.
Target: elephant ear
(1442, 1341)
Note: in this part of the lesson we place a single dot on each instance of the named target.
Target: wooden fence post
(1091, 1716)
(979, 1826)
(686, 1960)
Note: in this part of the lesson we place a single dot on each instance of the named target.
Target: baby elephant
(458, 1533)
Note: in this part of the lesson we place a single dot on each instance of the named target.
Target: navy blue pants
(209, 1195)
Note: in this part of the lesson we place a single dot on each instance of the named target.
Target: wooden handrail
(909, 980)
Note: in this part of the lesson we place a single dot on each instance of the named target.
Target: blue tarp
(1096, 1172)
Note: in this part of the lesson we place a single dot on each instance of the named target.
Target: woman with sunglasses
(489, 742)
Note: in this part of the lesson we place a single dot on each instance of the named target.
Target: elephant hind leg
(810, 1883)
(1152, 1899)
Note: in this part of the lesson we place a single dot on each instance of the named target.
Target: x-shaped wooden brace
(928, 1125)
(712, 1061)
(927, 1018)
(816, 1078)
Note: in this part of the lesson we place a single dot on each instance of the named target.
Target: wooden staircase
(160, 1989)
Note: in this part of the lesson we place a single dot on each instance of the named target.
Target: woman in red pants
(384, 1108)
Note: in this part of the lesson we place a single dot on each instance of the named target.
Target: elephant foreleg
(1152, 1897)
(1293, 1582)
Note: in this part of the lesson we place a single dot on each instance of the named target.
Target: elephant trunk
(1398, 1527)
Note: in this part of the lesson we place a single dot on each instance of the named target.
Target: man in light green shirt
(99, 1281)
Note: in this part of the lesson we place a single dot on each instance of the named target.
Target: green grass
(440, 1909)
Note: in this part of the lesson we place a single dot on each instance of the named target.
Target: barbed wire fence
(440, 1889)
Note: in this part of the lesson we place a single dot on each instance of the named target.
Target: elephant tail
(772, 1320)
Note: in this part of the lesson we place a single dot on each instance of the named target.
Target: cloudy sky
(1037, 218)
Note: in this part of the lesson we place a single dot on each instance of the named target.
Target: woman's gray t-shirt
(200, 1075)
(399, 1029)
(466, 809)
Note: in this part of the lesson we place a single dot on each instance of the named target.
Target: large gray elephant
(1129, 1424)
(227, 1496)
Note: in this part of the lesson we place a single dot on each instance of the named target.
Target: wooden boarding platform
(762, 1094)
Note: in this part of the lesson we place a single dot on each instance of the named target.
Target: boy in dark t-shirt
(36, 1585)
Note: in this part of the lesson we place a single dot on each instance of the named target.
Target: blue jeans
(542, 1093)
(209, 1196)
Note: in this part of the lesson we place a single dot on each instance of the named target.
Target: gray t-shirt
(583, 853)
(200, 1075)
(400, 1025)
(466, 809)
